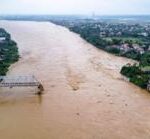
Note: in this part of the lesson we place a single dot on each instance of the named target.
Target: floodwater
(85, 96)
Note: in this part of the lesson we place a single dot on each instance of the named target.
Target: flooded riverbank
(85, 96)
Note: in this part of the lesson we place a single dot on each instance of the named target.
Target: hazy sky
(101, 7)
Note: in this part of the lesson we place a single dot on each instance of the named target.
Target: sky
(84, 7)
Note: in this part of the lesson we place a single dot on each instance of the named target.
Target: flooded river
(85, 97)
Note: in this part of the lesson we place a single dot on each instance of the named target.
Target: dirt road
(85, 97)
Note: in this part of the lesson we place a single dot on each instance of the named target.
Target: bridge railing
(20, 81)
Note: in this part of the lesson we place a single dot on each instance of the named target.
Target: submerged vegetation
(8, 52)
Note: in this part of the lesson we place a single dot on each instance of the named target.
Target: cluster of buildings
(136, 32)
(119, 29)
(126, 48)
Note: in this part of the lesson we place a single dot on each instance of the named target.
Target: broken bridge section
(20, 81)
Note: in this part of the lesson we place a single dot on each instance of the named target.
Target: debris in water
(78, 114)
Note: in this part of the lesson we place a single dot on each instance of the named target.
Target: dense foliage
(145, 59)
(138, 74)
(8, 52)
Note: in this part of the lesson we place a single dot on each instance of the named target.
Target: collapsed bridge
(21, 81)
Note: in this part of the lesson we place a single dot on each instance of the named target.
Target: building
(137, 48)
(2, 39)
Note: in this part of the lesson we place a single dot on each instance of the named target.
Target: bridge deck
(18, 81)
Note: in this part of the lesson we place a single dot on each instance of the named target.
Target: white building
(2, 39)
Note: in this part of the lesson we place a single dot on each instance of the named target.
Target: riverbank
(139, 74)
(8, 52)
(129, 40)
(103, 105)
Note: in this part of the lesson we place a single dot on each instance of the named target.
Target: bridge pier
(40, 89)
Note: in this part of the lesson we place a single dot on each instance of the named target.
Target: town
(124, 39)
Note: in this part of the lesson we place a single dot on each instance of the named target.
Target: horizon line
(74, 15)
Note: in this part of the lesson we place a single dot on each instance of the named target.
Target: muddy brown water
(85, 97)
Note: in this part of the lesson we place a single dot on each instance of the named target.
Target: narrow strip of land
(85, 96)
